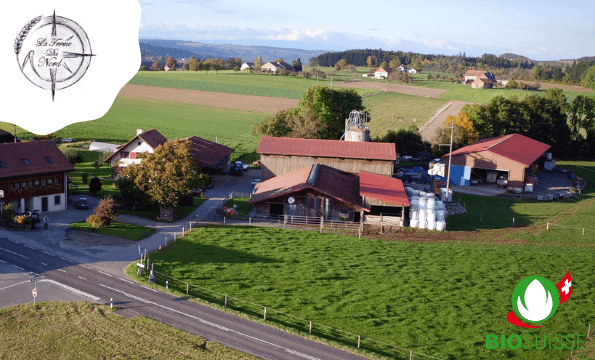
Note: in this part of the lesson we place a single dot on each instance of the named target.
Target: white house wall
(133, 147)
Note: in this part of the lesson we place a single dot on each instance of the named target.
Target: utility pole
(452, 127)
(15, 133)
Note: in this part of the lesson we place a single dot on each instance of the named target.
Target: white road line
(29, 246)
(72, 289)
(88, 267)
(61, 270)
(43, 263)
(130, 282)
(104, 273)
(302, 355)
(148, 288)
(210, 323)
(24, 282)
(18, 267)
(14, 253)
(65, 259)
(47, 253)
(81, 278)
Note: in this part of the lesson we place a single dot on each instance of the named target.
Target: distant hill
(511, 56)
(184, 49)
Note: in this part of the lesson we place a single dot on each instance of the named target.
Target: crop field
(383, 106)
(88, 331)
(173, 120)
(229, 82)
(439, 299)
(483, 96)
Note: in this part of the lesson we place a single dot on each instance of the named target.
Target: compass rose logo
(53, 52)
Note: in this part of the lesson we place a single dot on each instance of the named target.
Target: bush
(85, 178)
(96, 221)
(106, 210)
(8, 214)
(19, 219)
(95, 185)
(73, 155)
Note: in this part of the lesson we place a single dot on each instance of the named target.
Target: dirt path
(207, 98)
(403, 89)
(430, 133)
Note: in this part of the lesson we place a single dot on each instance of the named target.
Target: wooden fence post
(359, 340)
(187, 288)
(512, 221)
(225, 301)
(249, 221)
(381, 223)
(182, 231)
(411, 355)
(190, 226)
(265, 313)
(583, 231)
(547, 225)
(311, 328)
(588, 331)
(321, 222)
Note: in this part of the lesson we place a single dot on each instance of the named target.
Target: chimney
(139, 131)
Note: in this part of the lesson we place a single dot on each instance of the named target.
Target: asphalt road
(88, 281)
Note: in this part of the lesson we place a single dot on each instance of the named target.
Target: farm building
(143, 142)
(211, 157)
(273, 66)
(482, 82)
(382, 73)
(472, 75)
(503, 80)
(507, 157)
(279, 156)
(320, 191)
(33, 176)
(102, 147)
(247, 66)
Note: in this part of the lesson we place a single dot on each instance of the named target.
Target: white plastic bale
(414, 223)
(431, 225)
(440, 225)
(423, 216)
(440, 215)
(423, 224)
(431, 217)
(439, 205)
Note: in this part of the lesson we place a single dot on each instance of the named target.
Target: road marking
(148, 288)
(302, 355)
(72, 289)
(44, 263)
(29, 246)
(61, 270)
(104, 273)
(81, 278)
(24, 282)
(209, 323)
(65, 259)
(14, 253)
(47, 253)
(90, 268)
(18, 267)
(130, 282)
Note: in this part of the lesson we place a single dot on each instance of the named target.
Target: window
(126, 154)
(50, 181)
(18, 186)
(24, 185)
(11, 186)
(36, 182)
(43, 182)
(57, 181)
(2, 165)
(47, 158)
(30, 184)
(57, 200)
(25, 161)
(139, 143)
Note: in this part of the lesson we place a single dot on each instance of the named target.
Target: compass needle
(53, 77)
(54, 25)
(66, 67)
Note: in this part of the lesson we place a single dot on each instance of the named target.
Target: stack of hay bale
(425, 211)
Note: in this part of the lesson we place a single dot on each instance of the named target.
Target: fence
(440, 111)
(268, 314)
(309, 221)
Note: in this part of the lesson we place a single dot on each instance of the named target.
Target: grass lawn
(180, 212)
(383, 106)
(230, 82)
(127, 231)
(483, 96)
(86, 167)
(498, 213)
(243, 207)
(89, 331)
(439, 299)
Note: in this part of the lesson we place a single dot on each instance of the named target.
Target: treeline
(569, 127)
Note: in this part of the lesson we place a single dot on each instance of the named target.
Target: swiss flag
(564, 287)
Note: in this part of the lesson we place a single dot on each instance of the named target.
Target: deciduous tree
(341, 64)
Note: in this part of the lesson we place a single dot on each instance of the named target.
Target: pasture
(439, 299)
(383, 106)
(483, 96)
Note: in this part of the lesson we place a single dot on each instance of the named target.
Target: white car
(67, 140)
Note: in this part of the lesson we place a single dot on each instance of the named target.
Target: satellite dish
(291, 200)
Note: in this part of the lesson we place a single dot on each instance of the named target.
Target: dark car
(34, 215)
(82, 204)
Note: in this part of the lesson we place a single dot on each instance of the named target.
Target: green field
(409, 107)
(127, 231)
(173, 120)
(437, 299)
(230, 82)
(89, 331)
(483, 96)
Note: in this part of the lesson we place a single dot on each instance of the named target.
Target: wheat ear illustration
(18, 43)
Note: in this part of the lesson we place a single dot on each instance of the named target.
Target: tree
(305, 125)
(394, 62)
(588, 78)
(341, 64)
(405, 78)
(407, 141)
(166, 175)
(417, 66)
(95, 185)
(105, 213)
(186, 66)
(73, 155)
(511, 84)
(217, 64)
(258, 64)
(193, 64)
(384, 64)
(130, 194)
(297, 65)
(463, 128)
(278, 60)
(581, 115)
(352, 68)
(97, 164)
(206, 66)
(143, 68)
(276, 125)
(171, 63)
(371, 60)
(156, 66)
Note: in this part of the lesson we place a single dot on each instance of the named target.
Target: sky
(540, 30)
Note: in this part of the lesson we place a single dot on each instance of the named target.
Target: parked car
(255, 181)
(406, 158)
(34, 215)
(67, 140)
(82, 204)
(237, 168)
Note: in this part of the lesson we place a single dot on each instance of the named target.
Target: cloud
(298, 35)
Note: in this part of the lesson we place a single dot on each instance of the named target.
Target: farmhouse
(472, 75)
(143, 142)
(211, 157)
(33, 176)
(382, 73)
(503, 80)
(273, 66)
(282, 155)
(321, 191)
(247, 66)
(482, 82)
(507, 157)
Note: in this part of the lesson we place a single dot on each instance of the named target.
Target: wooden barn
(282, 155)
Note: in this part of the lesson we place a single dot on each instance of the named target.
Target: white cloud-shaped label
(65, 61)
(538, 302)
